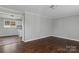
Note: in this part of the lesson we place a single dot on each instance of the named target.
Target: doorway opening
(10, 30)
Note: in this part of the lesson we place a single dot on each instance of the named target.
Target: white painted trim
(66, 38)
(36, 38)
(51, 35)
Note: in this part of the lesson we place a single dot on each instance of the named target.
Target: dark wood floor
(52, 45)
(45, 45)
(9, 39)
(11, 44)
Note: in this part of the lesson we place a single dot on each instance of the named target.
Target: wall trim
(36, 38)
(66, 38)
(51, 35)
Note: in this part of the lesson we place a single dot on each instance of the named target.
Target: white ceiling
(45, 10)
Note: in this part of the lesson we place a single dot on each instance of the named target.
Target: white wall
(6, 31)
(37, 26)
(67, 27)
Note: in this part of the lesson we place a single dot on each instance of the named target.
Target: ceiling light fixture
(52, 6)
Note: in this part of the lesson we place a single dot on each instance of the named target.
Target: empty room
(39, 28)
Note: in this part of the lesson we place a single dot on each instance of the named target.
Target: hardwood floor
(52, 45)
(45, 45)
(9, 39)
(11, 45)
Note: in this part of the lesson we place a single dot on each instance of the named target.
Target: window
(10, 24)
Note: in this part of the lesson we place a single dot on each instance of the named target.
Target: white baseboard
(36, 38)
(51, 35)
(66, 38)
